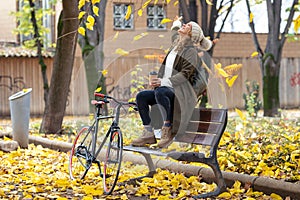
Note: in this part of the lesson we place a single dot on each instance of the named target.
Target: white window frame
(155, 17)
(120, 15)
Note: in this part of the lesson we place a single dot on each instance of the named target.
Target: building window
(119, 17)
(46, 22)
(155, 13)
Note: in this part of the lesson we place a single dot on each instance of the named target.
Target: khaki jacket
(181, 79)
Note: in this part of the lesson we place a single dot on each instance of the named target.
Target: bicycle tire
(81, 158)
(112, 163)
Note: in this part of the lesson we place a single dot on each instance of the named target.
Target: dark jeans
(164, 96)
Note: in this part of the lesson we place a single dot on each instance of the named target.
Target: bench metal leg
(151, 167)
(219, 180)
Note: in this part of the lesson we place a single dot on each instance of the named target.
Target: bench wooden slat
(208, 115)
(204, 127)
(198, 138)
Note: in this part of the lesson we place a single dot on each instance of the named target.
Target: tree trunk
(39, 50)
(62, 69)
(270, 86)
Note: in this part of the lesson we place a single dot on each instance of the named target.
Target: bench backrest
(205, 127)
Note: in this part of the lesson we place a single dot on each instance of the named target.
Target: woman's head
(194, 31)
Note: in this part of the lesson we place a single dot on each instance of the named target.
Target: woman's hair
(179, 44)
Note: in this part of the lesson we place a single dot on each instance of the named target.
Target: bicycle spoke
(112, 162)
(80, 156)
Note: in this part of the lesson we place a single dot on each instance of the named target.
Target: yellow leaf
(165, 20)
(140, 12)
(255, 53)
(116, 35)
(61, 198)
(251, 16)
(222, 87)
(81, 3)
(90, 22)
(275, 196)
(297, 24)
(104, 72)
(176, 3)
(95, 1)
(128, 13)
(81, 14)
(218, 66)
(241, 114)
(137, 37)
(98, 89)
(222, 72)
(81, 31)
(230, 81)
(208, 2)
(225, 195)
(146, 4)
(96, 10)
(25, 90)
(121, 52)
(230, 69)
(155, 2)
(90, 19)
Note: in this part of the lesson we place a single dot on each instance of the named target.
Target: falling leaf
(241, 114)
(139, 36)
(140, 12)
(222, 72)
(104, 72)
(116, 36)
(251, 16)
(165, 20)
(297, 24)
(230, 81)
(98, 89)
(231, 69)
(95, 1)
(121, 52)
(81, 14)
(128, 12)
(255, 53)
(81, 31)
(146, 4)
(208, 2)
(96, 10)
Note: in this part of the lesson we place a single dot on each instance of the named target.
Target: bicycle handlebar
(104, 96)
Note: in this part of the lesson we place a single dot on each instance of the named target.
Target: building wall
(7, 22)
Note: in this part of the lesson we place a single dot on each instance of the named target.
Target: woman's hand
(155, 82)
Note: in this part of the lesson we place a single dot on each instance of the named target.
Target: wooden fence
(17, 73)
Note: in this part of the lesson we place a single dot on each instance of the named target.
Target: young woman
(172, 89)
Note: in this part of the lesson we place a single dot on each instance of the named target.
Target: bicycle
(84, 152)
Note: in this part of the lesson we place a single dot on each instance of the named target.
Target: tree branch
(227, 14)
(289, 22)
(254, 35)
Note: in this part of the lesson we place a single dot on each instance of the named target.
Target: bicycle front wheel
(112, 163)
(80, 156)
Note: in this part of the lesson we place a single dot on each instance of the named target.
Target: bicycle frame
(92, 158)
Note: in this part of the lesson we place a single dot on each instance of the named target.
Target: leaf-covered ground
(261, 147)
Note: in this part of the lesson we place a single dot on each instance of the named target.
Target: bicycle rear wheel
(112, 163)
(80, 156)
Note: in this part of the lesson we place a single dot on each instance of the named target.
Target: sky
(238, 20)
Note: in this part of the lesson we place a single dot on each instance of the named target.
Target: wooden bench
(209, 125)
